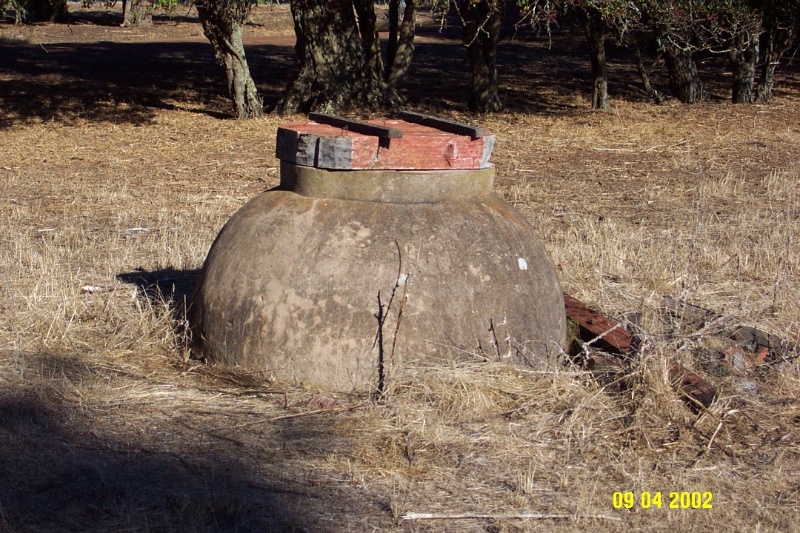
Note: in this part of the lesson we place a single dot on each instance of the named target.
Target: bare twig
(510, 516)
(403, 300)
(494, 339)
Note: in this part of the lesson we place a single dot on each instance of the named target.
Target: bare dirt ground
(117, 170)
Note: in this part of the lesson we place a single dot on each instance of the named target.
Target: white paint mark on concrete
(523, 265)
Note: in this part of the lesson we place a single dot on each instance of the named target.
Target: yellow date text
(655, 500)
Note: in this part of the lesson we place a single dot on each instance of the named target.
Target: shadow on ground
(135, 457)
(128, 82)
(175, 287)
(54, 477)
(166, 284)
(124, 82)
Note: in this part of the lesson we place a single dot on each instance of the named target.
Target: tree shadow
(110, 17)
(56, 475)
(175, 287)
(70, 462)
(551, 74)
(536, 74)
(124, 82)
(168, 283)
(129, 82)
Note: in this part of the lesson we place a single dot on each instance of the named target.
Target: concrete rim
(390, 186)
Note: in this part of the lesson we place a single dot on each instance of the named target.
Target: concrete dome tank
(383, 246)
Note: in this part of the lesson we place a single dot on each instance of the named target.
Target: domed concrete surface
(296, 285)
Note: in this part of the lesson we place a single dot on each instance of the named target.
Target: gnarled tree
(341, 65)
(781, 25)
(481, 21)
(138, 12)
(673, 24)
(222, 24)
(600, 20)
(743, 54)
(594, 26)
(732, 27)
(684, 27)
(400, 47)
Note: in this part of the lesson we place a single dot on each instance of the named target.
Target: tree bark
(126, 13)
(684, 81)
(595, 29)
(644, 74)
(772, 54)
(365, 12)
(481, 22)
(222, 25)
(340, 62)
(781, 23)
(139, 13)
(743, 61)
(400, 48)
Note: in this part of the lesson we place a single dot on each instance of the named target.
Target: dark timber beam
(356, 126)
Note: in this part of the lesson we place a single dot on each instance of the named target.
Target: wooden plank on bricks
(473, 132)
(356, 126)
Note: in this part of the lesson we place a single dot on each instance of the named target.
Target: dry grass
(106, 425)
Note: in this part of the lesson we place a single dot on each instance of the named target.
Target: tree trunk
(781, 29)
(595, 29)
(222, 25)
(400, 47)
(743, 60)
(644, 74)
(767, 82)
(126, 13)
(365, 12)
(683, 79)
(338, 70)
(481, 31)
(140, 13)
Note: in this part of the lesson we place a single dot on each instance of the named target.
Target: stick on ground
(509, 516)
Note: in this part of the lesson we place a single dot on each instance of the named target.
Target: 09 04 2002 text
(673, 500)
